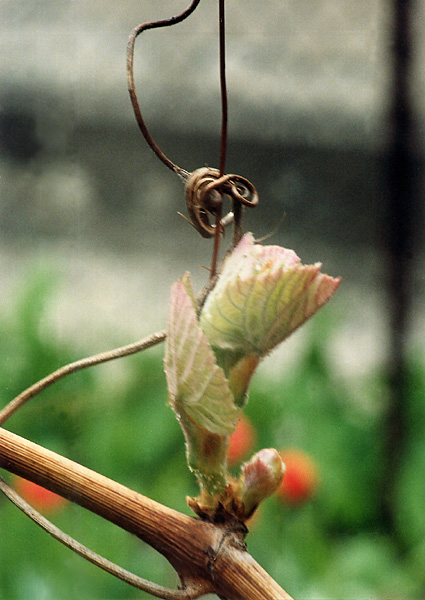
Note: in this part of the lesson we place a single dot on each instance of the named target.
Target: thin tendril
(201, 222)
(131, 87)
(223, 88)
(224, 121)
(84, 363)
(93, 557)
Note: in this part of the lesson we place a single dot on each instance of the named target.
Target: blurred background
(326, 102)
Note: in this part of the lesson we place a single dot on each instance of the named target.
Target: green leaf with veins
(263, 294)
(197, 386)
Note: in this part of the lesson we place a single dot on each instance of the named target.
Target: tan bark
(212, 555)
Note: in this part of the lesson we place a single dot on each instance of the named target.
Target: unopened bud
(260, 478)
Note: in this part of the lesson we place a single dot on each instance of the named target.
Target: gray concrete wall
(313, 70)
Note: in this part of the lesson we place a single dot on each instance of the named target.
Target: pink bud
(260, 478)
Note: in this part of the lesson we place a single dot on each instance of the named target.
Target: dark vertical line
(224, 120)
(399, 247)
(223, 88)
(236, 206)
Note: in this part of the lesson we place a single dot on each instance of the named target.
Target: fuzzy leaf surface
(197, 386)
(264, 293)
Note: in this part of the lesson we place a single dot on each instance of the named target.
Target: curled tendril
(204, 191)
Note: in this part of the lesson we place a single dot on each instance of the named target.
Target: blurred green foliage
(115, 420)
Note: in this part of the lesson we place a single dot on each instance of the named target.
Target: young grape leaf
(263, 294)
(197, 386)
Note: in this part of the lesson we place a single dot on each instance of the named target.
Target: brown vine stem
(204, 554)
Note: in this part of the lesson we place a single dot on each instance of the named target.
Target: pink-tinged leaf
(264, 293)
(198, 388)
